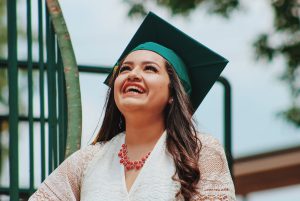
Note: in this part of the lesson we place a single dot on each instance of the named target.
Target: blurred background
(261, 40)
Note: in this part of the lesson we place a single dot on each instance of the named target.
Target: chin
(131, 105)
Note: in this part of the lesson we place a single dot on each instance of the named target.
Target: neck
(143, 130)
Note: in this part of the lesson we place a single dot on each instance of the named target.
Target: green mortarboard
(197, 66)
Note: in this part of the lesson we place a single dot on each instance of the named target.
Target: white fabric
(95, 174)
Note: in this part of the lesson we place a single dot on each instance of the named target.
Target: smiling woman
(148, 147)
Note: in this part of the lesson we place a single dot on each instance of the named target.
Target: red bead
(131, 164)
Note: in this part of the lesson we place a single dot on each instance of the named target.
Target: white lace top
(95, 174)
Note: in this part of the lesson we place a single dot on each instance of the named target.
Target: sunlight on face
(142, 84)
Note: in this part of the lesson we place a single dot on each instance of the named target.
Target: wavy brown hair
(182, 141)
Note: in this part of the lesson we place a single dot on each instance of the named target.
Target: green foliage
(137, 9)
(223, 7)
(287, 28)
(3, 86)
(3, 28)
(184, 7)
(292, 115)
(3, 42)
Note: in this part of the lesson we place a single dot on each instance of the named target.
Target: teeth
(134, 89)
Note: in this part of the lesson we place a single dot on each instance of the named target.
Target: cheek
(162, 86)
(118, 83)
(117, 87)
(165, 84)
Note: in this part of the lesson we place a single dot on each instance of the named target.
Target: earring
(171, 100)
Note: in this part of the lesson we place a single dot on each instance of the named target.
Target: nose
(134, 75)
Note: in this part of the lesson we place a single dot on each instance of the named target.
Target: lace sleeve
(64, 182)
(215, 181)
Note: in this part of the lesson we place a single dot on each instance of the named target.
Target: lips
(133, 88)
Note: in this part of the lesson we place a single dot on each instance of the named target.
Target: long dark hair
(182, 141)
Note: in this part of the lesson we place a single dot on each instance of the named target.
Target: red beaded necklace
(130, 165)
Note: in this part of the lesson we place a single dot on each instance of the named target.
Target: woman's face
(142, 83)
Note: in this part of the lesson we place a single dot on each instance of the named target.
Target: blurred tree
(286, 29)
(3, 42)
(184, 7)
(3, 28)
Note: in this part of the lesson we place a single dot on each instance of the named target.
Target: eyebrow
(143, 63)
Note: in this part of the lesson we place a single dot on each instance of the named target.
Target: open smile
(131, 88)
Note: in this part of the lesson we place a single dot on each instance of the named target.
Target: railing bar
(65, 111)
(50, 132)
(54, 97)
(51, 71)
(30, 98)
(82, 68)
(24, 193)
(227, 122)
(13, 99)
(22, 118)
(61, 107)
(41, 85)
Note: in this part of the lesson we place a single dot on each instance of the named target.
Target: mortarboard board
(202, 66)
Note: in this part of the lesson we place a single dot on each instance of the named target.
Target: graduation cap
(197, 66)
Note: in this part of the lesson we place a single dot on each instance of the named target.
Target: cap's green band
(172, 58)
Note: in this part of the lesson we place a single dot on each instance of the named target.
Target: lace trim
(64, 182)
(216, 182)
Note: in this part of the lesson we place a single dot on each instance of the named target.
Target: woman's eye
(151, 68)
(124, 68)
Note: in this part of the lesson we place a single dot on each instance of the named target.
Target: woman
(148, 147)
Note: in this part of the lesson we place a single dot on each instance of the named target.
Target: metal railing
(55, 92)
(56, 137)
